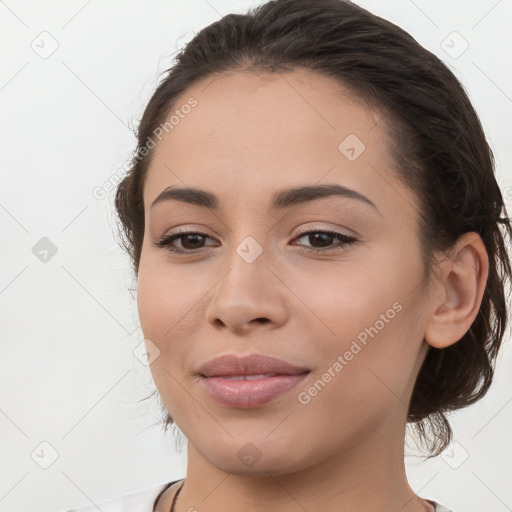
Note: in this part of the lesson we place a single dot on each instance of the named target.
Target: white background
(68, 375)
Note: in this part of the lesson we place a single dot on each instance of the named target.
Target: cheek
(366, 314)
(339, 302)
(168, 300)
(166, 296)
(360, 378)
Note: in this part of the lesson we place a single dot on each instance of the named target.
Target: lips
(248, 377)
(249, 381)
(254, 364)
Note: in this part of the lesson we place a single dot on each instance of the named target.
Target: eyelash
(166, 241)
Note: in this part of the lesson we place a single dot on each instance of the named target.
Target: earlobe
(460, 289)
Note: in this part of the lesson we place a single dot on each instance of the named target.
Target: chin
(255, 455)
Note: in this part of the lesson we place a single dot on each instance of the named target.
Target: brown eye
(322, 240)
(190, 242)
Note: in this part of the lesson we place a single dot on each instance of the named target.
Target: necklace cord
(175, 498)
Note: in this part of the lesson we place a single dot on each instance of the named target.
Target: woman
(318, 239)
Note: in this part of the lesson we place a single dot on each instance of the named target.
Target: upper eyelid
(183, 233)
(300, 233)
(340, 230)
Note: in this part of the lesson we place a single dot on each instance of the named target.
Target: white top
(143, 502)
(137, 502)
(440, 508)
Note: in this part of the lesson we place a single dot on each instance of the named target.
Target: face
(331, 283)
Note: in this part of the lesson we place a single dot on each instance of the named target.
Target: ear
(458, 291)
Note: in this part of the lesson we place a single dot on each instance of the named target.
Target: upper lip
(254, 364)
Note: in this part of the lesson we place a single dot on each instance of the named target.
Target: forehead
(250, 131)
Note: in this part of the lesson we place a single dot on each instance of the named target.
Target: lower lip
(247, 394)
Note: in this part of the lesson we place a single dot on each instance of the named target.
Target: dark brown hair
(435, 138)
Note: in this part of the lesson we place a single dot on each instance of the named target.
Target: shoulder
(141, 501)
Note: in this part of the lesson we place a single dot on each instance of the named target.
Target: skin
(250, 135)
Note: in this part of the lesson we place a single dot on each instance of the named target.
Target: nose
(248, 296)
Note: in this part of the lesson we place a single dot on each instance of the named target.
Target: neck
(366, 473)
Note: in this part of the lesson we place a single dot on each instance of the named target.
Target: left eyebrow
(280, 200)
